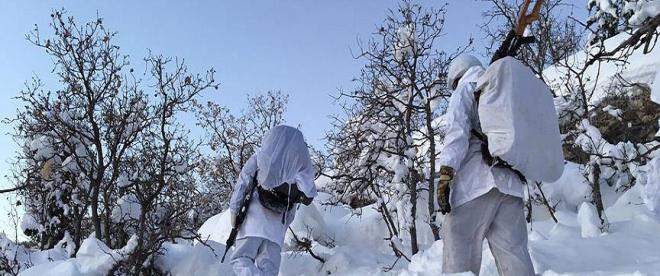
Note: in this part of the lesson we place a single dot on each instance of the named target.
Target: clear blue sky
(299, 47)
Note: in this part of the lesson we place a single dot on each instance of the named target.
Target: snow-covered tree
(591, 89)
(610, 17)
(384, 150)
(105, 152)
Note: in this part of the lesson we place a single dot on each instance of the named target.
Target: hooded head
(284, 158)
(459, 66)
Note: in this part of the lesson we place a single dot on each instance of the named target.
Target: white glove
(233, 219)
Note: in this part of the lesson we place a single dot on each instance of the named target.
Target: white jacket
(259, 221)
(282, 158)
(462, 151)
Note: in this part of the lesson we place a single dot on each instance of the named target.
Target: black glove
(446, 177)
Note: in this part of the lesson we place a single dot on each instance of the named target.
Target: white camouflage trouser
(500, 219)
(255, 256)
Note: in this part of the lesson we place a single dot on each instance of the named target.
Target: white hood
(471, 75)
(284, 158)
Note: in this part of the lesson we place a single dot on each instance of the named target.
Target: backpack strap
(494, 161)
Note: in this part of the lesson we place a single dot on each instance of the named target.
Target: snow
(198, 259)
(69, 164)
(589, 221)
(426, 263)
(640, 67)
(605, 6)
(123, 180)
(355, 245)
(93, 258)
(128, 207)
(655, 90)
(630, 247)
(405, 43)
(614, 112)
(181, 168)
(308, 224)
(642, 10)
(355, 241)
(651, 189)
(28, 222)
(570, 191)
(42, 148)
(217, 228)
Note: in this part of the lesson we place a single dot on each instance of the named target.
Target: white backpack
(518, 117)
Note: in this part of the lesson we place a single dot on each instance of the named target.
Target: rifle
(515, 38)
(240, 217)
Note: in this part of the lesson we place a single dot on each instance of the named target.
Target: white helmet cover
(459, 66)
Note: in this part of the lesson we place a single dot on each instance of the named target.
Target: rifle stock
(515, 38)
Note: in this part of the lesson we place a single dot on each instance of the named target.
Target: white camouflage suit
(486, 202)
(282, 158)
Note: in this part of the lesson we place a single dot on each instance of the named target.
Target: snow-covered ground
(354, 245)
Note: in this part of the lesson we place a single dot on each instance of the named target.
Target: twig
(13, 189)
(306, 244)
(546, 203)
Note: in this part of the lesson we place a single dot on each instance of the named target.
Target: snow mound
(198, 259)
(217, 228)
(308, 224)
(651, 190)
(589, 221)
(427, 262)
(93, 258)
(570, 190)
(630, 247)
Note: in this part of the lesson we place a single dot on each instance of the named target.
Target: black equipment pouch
(274, 200)
(282, 198)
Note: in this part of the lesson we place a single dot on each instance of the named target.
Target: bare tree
(233, 138)
(557, 36)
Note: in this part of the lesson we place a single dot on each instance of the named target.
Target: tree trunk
(107, 215)
(413, 225)
(413, 178)
(77, 230)
(432, 157)
(96, 220)
(597, 197)
(138, 254)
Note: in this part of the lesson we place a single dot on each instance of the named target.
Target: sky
(302, 48)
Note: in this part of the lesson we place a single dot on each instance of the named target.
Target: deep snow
(354, 245)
